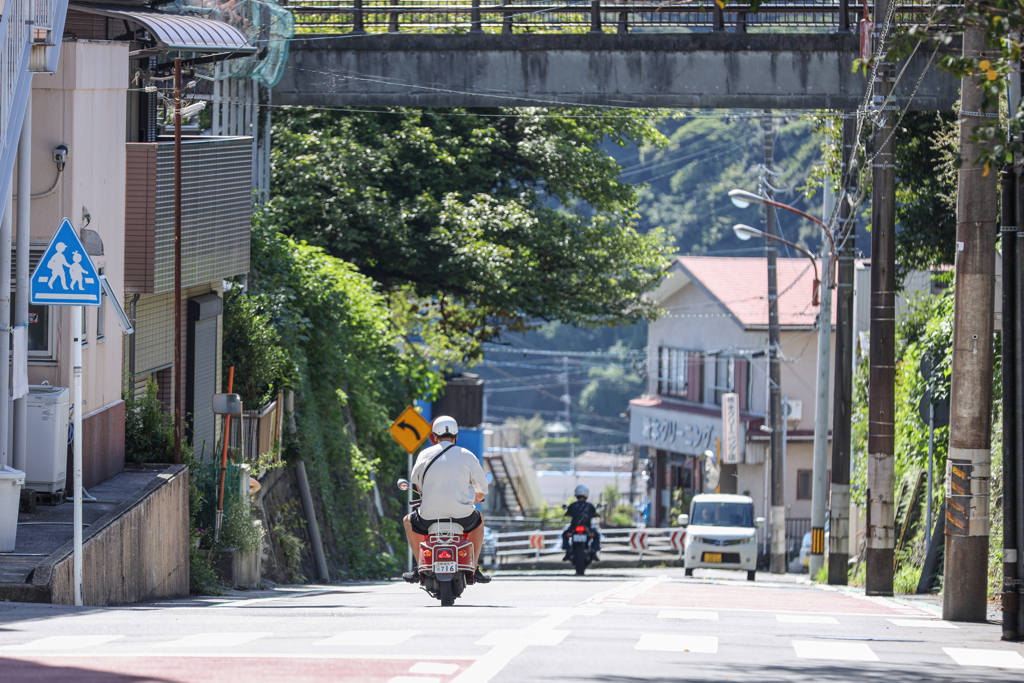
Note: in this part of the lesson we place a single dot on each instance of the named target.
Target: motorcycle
(446, 559)
(581, 541)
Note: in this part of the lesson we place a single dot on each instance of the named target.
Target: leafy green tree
(253, 345)
(494, 218)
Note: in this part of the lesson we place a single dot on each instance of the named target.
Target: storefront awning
(178, 32)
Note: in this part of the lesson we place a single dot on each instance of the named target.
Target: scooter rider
(450, 481)
(583, 512)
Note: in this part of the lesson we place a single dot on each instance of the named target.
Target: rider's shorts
(422, 526)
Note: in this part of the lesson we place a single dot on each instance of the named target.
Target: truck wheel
(688, 572)
(750, 574)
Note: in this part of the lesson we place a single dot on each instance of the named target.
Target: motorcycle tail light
(580, 529)
(445, 554)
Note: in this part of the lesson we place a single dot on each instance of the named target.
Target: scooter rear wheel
(445, 593)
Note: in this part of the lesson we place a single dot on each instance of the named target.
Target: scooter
(446, 559)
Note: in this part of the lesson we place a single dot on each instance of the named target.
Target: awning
(178, 32)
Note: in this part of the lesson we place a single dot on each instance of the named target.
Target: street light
(745, 232)
(743, 199)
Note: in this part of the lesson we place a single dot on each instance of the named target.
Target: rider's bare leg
(476, 537)
(414, 538)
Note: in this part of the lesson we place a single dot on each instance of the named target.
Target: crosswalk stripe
(367, 638)
(63, 643)
(804, 619)
(668, 642)
(228, 639)
(848, 652)
(433, 668)
(687, 614)
(1003, 659)
(922, 623)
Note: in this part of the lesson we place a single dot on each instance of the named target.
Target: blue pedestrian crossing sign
(65, 275)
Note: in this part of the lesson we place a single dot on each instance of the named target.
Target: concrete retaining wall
(139, 551)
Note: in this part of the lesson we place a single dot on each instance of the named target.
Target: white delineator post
(76, 325)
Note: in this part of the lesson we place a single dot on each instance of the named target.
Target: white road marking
(687, 614)
(413, 679)
(488, 666)
(229, 639)
(433, 668)
(598, 597)
(1003, 659)
(367, 638)
(923, 623)
(576, 611)
(63, 643)
(257, 601)
(847, 652)
(804, 619)
(667, 642)
(529, 636)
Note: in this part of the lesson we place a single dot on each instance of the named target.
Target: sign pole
(408, 496)
(76, 325)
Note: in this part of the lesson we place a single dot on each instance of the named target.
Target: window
(680, 373)
(731, 376)
(100, 336)
(804, 484)
(39, 333)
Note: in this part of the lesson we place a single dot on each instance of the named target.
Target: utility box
(47, 434)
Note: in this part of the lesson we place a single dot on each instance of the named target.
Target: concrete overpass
(679, 70)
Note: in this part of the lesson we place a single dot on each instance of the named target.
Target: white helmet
(583, 490)
(445, 426)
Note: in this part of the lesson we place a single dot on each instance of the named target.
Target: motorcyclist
(450, 481)
(581, 512)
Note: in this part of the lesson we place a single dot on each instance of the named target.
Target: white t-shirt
(451, 485)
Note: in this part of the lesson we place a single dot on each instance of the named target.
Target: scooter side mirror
(683, 520)
(759, 522)
(403, 484)
(489, 477)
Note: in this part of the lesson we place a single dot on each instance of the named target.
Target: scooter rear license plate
(445, 567)
(579, 538)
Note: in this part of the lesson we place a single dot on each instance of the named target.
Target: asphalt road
(612, 626)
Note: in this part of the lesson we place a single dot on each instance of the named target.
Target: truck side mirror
(683, 520)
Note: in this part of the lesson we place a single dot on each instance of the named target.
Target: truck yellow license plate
(713, 557)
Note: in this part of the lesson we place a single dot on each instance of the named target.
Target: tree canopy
(486, 220)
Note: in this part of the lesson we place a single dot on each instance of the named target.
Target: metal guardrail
(539, 16)
(615, 542)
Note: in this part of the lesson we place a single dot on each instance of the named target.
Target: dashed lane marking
(207, 640)
(1003, 659)
(667, 642)
(805, 619)
(63, 643)
(367, 638)
(922, 623)
(843, 652)
(687, 614)
(433, 668)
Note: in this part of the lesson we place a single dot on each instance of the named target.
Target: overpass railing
(606, 16)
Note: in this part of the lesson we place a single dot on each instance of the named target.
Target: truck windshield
(715, 513)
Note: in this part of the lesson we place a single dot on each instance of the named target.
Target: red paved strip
(763, 599)
(209, 670)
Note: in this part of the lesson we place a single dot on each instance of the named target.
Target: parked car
(721, 533)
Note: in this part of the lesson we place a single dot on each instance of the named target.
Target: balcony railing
(216, 212)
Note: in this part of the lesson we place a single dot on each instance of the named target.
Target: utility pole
(178, 369)
(842, 400)
(1013, 478)
(1011, 361)
(881, 380)
(778, 476)
(19, 429)
(567, 402)
(818, 511)
(1013, 392)
(968, 464)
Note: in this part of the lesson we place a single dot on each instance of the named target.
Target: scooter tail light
(445, 554)
(580, 529)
